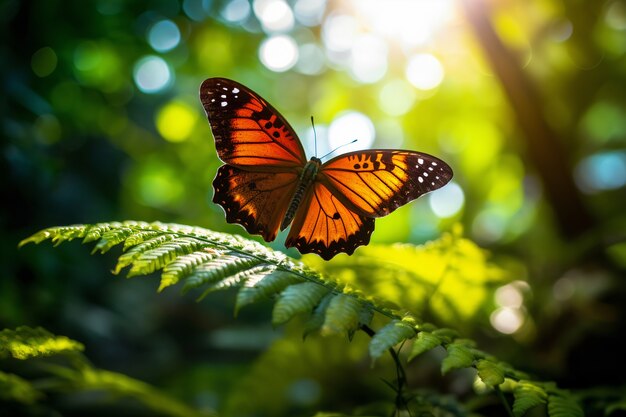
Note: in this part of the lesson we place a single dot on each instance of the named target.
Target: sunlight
(507, 320)
(348, 126)
(279, 53)
(274, 15)
(411, 22)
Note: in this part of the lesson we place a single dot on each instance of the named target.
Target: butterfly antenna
(339, 147)
(314, 135)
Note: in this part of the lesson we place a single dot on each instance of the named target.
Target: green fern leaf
(317, 318)
(297, 299)
(26, 342)
(266, 287)
(218, 269)
(15, 388)
(139, 236)
(563, 405)
(157, 258)
(112, 238)
(459, 356)
(390, 335)
(490, 373)
(97, 231)
(424, 342)
(255, 274)
(134, 253)
(342, 315)
(527, 395)
(58, 235)
(446, 335)
(184, 266)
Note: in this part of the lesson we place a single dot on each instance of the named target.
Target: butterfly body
(266, 183)
(307, 177)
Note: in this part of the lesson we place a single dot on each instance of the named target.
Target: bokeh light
(424, 71)
(601, 172)
(447, 201)
(175, 121)
(507, 320)
(510, 296)
(152, 74)
(309, 12)
(274, 15)
(339, 32)
(348, 126)
(44, 61)
(279, 53)
(368, 59)
(164, 36)
(236, 11)
(396, 97)
(311, 59)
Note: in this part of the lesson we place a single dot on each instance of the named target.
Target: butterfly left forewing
(248, 131)
(376, 182)
(325, 226)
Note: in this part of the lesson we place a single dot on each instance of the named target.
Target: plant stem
(505, 403)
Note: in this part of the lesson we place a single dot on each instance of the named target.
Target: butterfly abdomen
(306, 179)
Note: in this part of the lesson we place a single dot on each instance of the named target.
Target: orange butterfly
(266, 181)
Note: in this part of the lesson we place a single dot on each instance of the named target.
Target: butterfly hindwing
(248, 131)
(376, 182)
(256, 200)
(325, 226)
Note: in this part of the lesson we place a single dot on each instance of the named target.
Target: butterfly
(266, 182)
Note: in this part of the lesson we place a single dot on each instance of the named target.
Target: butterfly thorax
(307, 177)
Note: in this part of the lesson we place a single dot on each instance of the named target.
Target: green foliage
(202, 259)
(25, 342)
(449, 278)
(54, 364)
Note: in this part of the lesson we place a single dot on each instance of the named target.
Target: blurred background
(101, 121)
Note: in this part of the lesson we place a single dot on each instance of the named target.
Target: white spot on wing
(420, 161)
(235, 90)
(420, 179)
(224, 104)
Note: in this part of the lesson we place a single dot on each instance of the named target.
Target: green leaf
(15, 388)
(316, 320)
(459, 356)
(267, 286)
(563, 405)
(152, 260)
(297, 299)
(219, 268)
(26, 342)
(490, 373)
(390, 335)
(527, 395)
(424, 342)
(184, 266)
(342, 315)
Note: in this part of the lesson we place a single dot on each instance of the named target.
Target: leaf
(490, 373)
(342, 315)
(424, 342)
(390, 335)
(459, 356)
(297, 299)
(217, 269)
(316, 320)
(15, 388)
(266, 286)
(527, 395)
(563, 405)
(25, 342)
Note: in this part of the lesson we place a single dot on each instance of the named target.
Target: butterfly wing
(351, 190)
(324, 225)
(263, 156)
(249, 133)
(376, 182)
(255, 200)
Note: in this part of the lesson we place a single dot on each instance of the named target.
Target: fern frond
(25, 342)
(390, 335)
(218, 269)
(15, 388)
(489, 372)
(342, 315)
(527, 395)
(297, 299)
(459, 356)
(424, 342)
(562, 404)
